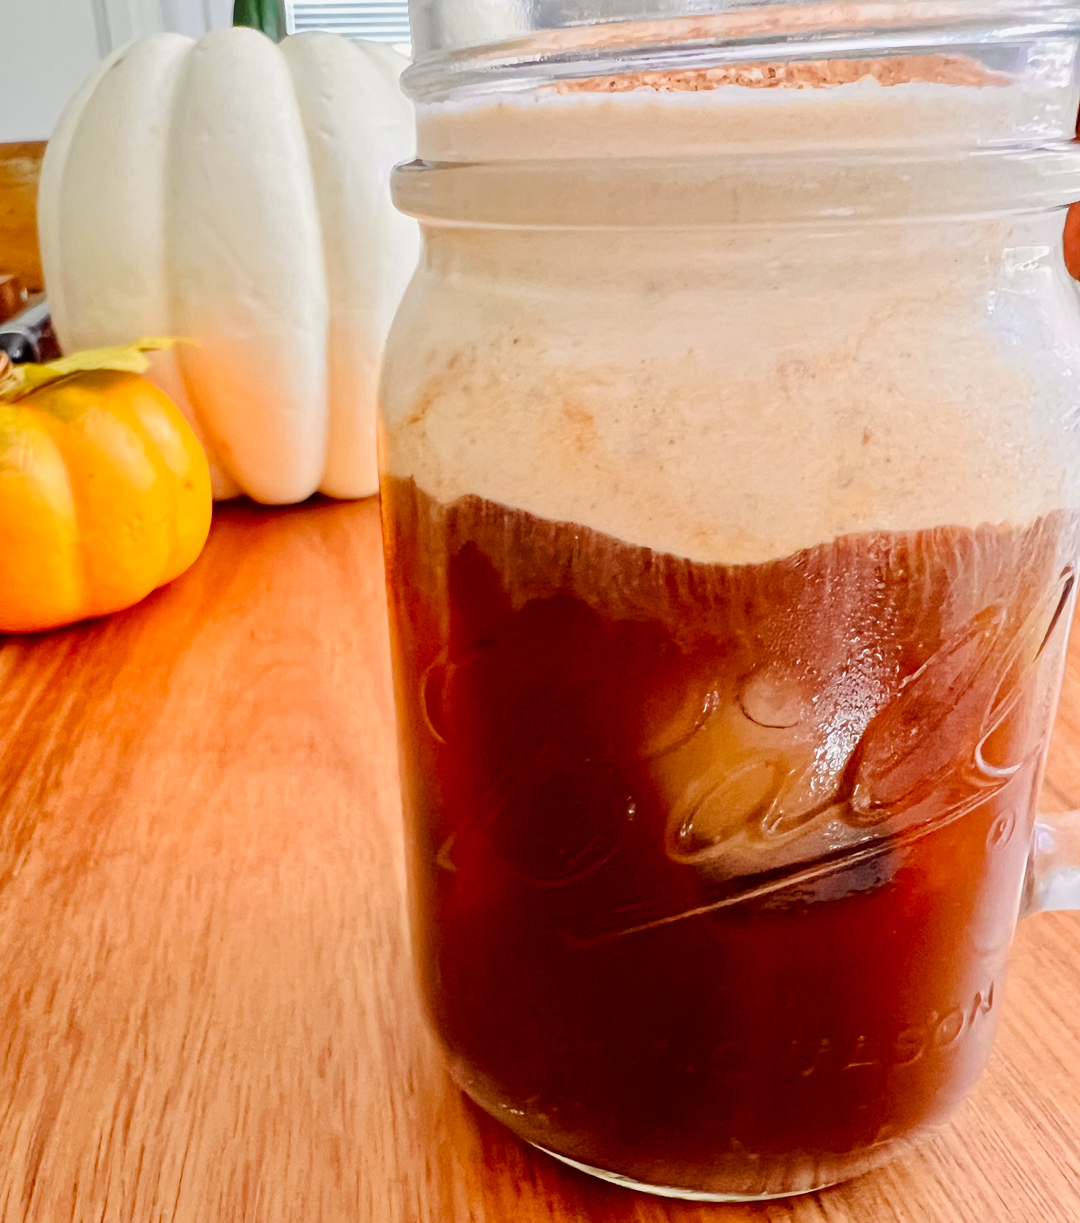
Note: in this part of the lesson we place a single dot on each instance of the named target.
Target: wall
(48, 46)
(195, 17)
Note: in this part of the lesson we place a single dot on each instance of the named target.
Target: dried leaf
(17, 381)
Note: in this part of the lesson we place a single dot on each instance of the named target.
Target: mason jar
(731, 489)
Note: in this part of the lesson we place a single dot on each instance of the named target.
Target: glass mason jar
(731, 489)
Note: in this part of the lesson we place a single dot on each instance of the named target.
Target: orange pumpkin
(104, 490)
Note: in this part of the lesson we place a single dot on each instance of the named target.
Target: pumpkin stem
(265, 15)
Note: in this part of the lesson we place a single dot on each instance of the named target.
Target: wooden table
(208, 1010)
(20, 168)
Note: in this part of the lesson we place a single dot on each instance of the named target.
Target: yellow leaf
(19, 380)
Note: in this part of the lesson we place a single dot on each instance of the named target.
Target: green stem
(265, 15)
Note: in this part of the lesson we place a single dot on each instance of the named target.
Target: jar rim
(467, 47)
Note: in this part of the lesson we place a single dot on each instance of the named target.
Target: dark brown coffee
(714, 868)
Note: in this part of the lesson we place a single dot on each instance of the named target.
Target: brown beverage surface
(714, 868)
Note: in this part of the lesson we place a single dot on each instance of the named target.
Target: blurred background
(48, 46)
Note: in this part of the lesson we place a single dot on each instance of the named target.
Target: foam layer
(734, 395)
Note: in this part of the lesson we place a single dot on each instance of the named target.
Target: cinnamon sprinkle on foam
(813, 74)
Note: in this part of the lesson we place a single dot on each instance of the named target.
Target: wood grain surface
(207, 1002)
(20, 168)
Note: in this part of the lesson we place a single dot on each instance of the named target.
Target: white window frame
(120, 21)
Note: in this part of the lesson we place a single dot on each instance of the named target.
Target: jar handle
(1053, 876)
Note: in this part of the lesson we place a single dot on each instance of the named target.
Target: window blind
(379, 20)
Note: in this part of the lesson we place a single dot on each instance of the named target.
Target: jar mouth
(471, 48)
(742, 189)
(749, 112)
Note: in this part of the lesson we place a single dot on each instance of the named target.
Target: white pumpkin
(237, 192)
